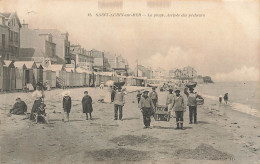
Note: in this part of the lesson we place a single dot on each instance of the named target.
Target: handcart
(161, 113)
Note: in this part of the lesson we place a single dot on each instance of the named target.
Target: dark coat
(19, 108)
(67, 104)
(87, 104)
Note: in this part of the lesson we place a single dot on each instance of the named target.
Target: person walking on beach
(147, 107)
(192, 103)
(220, 99)
(138, 96)
(179, 108)
(226, 98)
(119, 102)
(87, 105)
(154, 96)
(66, 105)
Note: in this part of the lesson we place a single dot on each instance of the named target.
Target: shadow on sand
(203, 122)
(131, 118)
(174, 128)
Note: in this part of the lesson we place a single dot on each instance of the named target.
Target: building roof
(7, 15)
(83, 70)
(142, 68)
(10, 15)
(28, 64)
(69, 69)
(39, 65)
(55, 67)
(7, 63)
(54, 32)
(20, 65)
(31, 52)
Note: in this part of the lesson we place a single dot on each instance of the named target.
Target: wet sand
(222, 135)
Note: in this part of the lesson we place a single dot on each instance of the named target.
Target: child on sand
(66, 105)
(220, 99)
(87, 105)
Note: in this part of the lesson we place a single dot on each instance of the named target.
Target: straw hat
(66, 93)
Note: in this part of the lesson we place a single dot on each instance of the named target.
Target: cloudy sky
(223, 44)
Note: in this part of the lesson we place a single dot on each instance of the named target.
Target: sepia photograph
(129, 81)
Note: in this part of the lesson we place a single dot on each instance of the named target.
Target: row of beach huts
(20, 75)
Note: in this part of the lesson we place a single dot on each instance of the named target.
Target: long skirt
(36, 105)
(107, 98)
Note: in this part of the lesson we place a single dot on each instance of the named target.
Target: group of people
(38, 108)
(175, 103)
(225, 98)
(146, 102)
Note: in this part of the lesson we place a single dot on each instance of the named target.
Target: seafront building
(81, 57)
(10, 26)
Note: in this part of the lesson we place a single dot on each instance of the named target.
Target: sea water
(243, 96)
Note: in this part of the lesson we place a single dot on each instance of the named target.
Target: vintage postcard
(128, 81)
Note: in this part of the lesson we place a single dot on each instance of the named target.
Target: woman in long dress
(107, 98)
(38, 96)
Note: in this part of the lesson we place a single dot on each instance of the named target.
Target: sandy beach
(222, 134)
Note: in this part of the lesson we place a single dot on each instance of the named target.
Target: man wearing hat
(179, 108)
(147, 108)
(154, 96)
(192, 103)
(119, 102)
(19, 107)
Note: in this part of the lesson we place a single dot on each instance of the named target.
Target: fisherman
(192, 103)
(154, 96)
(147, 107)
(226, 98)
(119, 102)
(19, 107)
(179, 108)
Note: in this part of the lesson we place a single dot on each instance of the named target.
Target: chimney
(24, 25)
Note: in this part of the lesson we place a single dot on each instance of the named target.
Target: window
(10, 35)
(3, 41)
(17, 37)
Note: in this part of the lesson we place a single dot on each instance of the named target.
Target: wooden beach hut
(86, 76)
(20, 81)
(31, 67)
(38, 73)
(49, 78)
(7, 76)
(11, 71)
